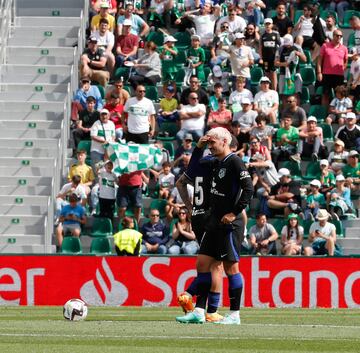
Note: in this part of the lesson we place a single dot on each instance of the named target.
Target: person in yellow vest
(128, 240)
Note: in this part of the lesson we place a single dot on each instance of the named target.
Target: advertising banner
(156, 281)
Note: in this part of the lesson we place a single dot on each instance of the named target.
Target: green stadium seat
(102, 90)
(294, 169)
(325, 13)
(180, 59)
(170, 128)
(305, 95)
(339, 227)
(306, 224)
(71, 245)
(318, 111)
(156, 37)
(271, 13)
(168, 145)
(298, 14)
(250, 222)
(328, 132)
(308, 62)
(179, 78)
(183, 40)
(308, 75)
(100, 246)
(102, 227)
(122, 72)
(351, 40)
(312, 171)
(348, 14)
(159, 204)
(256, 73)
(152, 93)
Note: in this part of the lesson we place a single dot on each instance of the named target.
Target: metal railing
(7, 18)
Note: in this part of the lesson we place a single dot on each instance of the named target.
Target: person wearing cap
(282, 22)
(127, 44)
(87, 90)
(351, 171)
(221, 117)
(284, 197)
(266, 100)
(118, 88)
(241, 58)
(138, 26)
(115, 109)
(338, 157)
(331, 65)
(292, 236)
(327, 177)
(217, 75)
(339, 106)
(185, 147)
(103, 13)
(296, 112)
(350, 133)
(339, 199)
(106, 41)
(238, 94)
(93, 63)
(322, 236)
(262, 237)
(269, 43)
(252, 10)
(287, 58)
(71, 218)
(196, 57)
(102, 132)
(140, 122)
(314, 200)
(234, 22)
(85, 121)
(168, 55)
(168, 106)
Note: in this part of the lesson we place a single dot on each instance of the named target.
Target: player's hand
(228, 218)
(203, 140)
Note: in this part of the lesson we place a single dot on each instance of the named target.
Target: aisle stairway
(37, 80)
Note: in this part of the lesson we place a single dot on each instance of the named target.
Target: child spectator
(167, 56)
(196, 57)
(214, 99)
(339, 106)
(128, 240)
(327, 177)
(338, 157)
(262, 131)
(168, 107)
(107, 190)
(339, 199)
(218, 76)
(314, 201)
(292, 235)
(166, 181)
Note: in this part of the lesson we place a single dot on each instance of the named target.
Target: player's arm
(181, 185)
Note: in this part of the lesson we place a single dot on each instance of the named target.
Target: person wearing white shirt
(237, 96)
(140, 124)
(236, 23)
(192, 117)
(267, 100)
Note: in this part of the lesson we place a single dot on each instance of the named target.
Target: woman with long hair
(292, 236)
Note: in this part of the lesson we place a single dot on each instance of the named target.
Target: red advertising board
(144, 281)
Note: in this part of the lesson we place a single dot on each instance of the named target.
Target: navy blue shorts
(129, 195)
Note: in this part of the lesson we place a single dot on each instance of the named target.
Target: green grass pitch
(128, 329)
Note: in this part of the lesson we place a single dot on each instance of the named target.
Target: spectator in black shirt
(282, 22)
(194, 87)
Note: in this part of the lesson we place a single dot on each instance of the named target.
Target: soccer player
(231, 190)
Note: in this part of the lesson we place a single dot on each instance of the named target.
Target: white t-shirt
(355, 69)
(236, 97)
(247, 119)
(266, 100)
(205, 25)
(341, 104)
(167, 180)
(284, 232)
(106, 130)
(238, 24)
(104, 41)
(176, 196)
(139, 112)
(79, 191)
(240, 56)
(326, 230)
(194, 123)
(107, 185)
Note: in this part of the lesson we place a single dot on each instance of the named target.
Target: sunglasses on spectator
(290, 101)
(194, 81)
(141, 91)
(193, 97)
(118, 85)
(225, 27)
(338, 35)
(254, 142)
(155, 215)
(182, 212)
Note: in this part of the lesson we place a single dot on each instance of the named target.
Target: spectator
(107, 190)
(196, 58)
(104, 13)
(115, 110)
(292, 235)
(147, 68)
(282, 22)
(220, 117)
(87, 118)
(310, 142)
(166, 181)
(237, 95)
(267, 100)
(184, 240)
(338, 157)
(217, 76)
(270, 41)
(350, 133)
(168, 55)
(214, 99)
(175, 202)
(84, 92)
(330, 27)
(185, 147)
(102, 132)
(286, 140)
(221, 42)
(314, 200)
(196, 88)
(351, 171)
(340, 7)
(126, 45)
(322, 236)
(140, 124)
(331, 65)
(241, 58)
(180, 164)
(252, 10)
(168, 111)
(263, 237)
(118, 88)
(83, 170)
(355, 25)
(298, 114)
(138, 26)
(127, 240)
(72, 216)
(354, 81)
(284, 197)
(263, 132)
(106, 41)
(339, 199)
(93, 63)
(192, 117)
(129, 193)
(155, 235)
(235, 23)
(252, 40)
(339, 106)
(327, 177)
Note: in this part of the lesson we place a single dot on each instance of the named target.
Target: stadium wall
(156, 281)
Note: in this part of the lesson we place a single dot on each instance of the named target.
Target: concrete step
(22, 200)
(20, 225)
(25, 190)
(28, 152)
(36, 69)
(61, 11)
(46, 4)
(26, 171)
(35, 78)
(353, 232)
(8, 107)
(24, 125)
(351, 223)
(24, 20)
(51, 144)
(33, 88)
(43, 42)
(349, 243)
(30, 181)
(45, 32)
(29, 133)
(32, 96)
(62, 52)
(22, 210)
(28, 162)
(40, 60)
(14, 248)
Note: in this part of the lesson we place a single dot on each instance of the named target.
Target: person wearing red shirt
(331, 65)
(126, 45)
(115, 109)
(220, 118)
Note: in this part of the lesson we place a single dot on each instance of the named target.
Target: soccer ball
(75, 310)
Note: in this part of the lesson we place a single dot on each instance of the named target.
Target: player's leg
(214, 295)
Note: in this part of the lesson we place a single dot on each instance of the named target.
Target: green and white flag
(131, 157)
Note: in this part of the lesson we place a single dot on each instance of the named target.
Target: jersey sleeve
(194, 166)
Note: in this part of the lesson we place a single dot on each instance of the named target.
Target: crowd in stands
(279, 75)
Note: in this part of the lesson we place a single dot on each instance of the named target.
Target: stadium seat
(271, 13)
(180, 59)
(319, 112)
(152, 93)
(159, 204)
(122, 72)
(100, 246)
(251, 222)
(309, 62)
(183, 40)
(102, 227)
(294, 169)
(339, 227)
(306, 224)
(127, 88)
(328, 133)
(71, 245)
(278, 224)
(312, 171)
(305, 95)
(170, 147)
(325, 13)
(179, 78)
(351, 40)
(156, 37)
(102, 91)
(170, 128)
(308, 75)
(298, 14)
(256, 73)
(348, 14)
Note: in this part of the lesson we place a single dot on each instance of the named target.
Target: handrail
(7, 14)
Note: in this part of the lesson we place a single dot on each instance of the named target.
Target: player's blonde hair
(221, 134)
